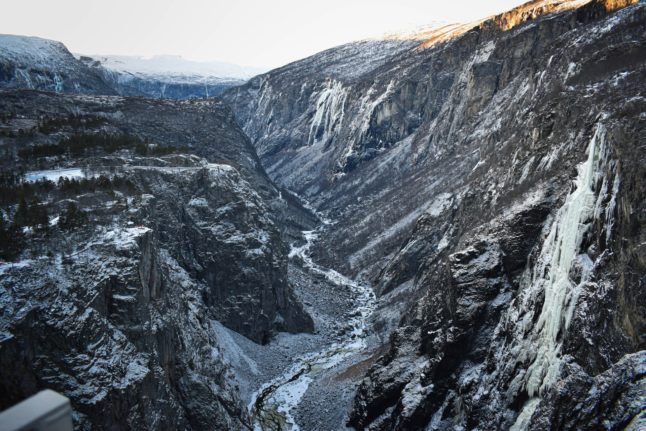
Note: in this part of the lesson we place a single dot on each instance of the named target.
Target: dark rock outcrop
(219, 230)
(120, 329)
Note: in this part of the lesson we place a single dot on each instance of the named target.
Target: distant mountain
(174, 65)
(41, 64)
(168, 76)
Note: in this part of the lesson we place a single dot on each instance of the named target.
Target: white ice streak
(465, 79)
(329, 112)
(524, 418)
(365, 115)
(368, 107)
(551, 275)
(552, 272)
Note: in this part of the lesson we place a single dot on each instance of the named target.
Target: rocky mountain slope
(145, 230)
(41, 64)
(488, 179)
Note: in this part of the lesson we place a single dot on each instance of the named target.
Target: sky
(261, 33)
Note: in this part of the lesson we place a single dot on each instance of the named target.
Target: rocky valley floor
(308, 381)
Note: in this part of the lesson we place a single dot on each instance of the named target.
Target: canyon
(432, 231)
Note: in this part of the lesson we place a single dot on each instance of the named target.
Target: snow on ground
(5, 266)
(55, 174)
(434, 208)
(441, 203)
(198, 202)
(125, 238)
(33, 51)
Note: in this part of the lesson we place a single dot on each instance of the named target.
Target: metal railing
(45, 411)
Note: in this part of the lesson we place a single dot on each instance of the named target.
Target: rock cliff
(112, 299)
(488, 179)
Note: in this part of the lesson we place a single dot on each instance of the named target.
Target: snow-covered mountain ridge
(36, 63)
(173, 65)
(41, 64)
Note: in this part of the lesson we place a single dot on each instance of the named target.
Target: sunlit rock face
(490, 183)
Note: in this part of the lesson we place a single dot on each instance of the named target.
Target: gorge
(433, 231)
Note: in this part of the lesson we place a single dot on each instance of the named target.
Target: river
(273, 406)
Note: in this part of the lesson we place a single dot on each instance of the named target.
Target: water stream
(273, 406)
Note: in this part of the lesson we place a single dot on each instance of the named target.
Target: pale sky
(261, 33)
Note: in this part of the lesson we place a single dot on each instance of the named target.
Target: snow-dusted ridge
(173, 67)
(42, 64)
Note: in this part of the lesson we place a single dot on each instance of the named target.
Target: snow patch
(125, 239)
(440, 204)
(55, 174)
(5, 266)
(198, 202)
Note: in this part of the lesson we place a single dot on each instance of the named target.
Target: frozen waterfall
(552, 275)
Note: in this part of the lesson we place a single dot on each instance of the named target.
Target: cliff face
(509, 324)
(164, 85)
(169, 87)
(220, 230)
(490, 184)
(112, 300)
(120, 329)
(374, 142)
